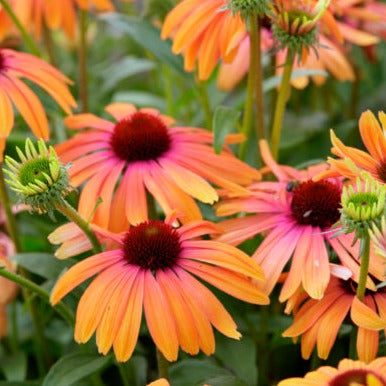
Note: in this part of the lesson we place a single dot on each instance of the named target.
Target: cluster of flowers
(316, 222)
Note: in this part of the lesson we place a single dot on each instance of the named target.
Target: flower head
(294, 22)
(140, 153)
(374, 138)
(363, 206)
(349, 372)
(155, 268)
(318, 321)
(297, 215)
(247, 8)
(204, 31)
(56, 14)
(40, 180)
(15, 65)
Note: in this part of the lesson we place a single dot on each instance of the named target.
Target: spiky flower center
(140, 137)
(316, 203)
(152, 245)
(356, 377)
(35, 169)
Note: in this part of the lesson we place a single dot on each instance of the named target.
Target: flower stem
(9, 217)
(168, 90)
(251, 85)
(281, 103)
(365, 259)
(49, 44)
(27, 38)
(60, 308)
(83, 91)
(204, 99)
(67, 210)
(260, 126)
(163, 365)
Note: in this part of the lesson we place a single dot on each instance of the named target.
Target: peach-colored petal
(367, 344)
(329, 327)
(184, 322)
(190, 182)
(29, 106)
(81, 121)
(210, 305)
(114, 313)
(158, 317)
(120, 110)
(372, 135)
(364, 316)
(81, 272)
(94, 301)
(6, 114)
(127, 335)
(232, 283)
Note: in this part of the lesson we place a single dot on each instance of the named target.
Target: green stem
(9, 217)
(83, 87)
(204, 99)
(281, 103)
(365, 259)
(260, 126)
(251, 84)
(122, 372)
(27, 38)
(168, 90)
(42, 348)
(60, 308)
(163, 365)
(67, 210)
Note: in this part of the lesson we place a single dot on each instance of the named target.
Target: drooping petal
(81, 272)
(158, 318)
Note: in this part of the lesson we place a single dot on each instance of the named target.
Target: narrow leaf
(224, 122)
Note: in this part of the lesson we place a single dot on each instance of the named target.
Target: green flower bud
(39, 180)
(247, 8)
(363, 206)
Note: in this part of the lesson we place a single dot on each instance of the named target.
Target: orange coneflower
(140, 153)
(204, 31)
(318, 321)
(374, 137)
(155, 268)
(297, 215)
(349, 372)
(15, 65)
(56, 13)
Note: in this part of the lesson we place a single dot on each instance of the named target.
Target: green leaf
(274, 81)
(14, 367)
(240, 356)
(224, 122)
(73, 367)
(140, 99)
(147, 36)
(18, 383)
(124, 68)
(43, 264)
(194, 371)
(224, 380)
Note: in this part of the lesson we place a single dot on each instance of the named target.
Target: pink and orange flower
(204, 31)
(56, 14)
(349, 372)
(373, 136)
(296, 214)
(15, 65)
(318, 321)
(139, 153)
(155, 267)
